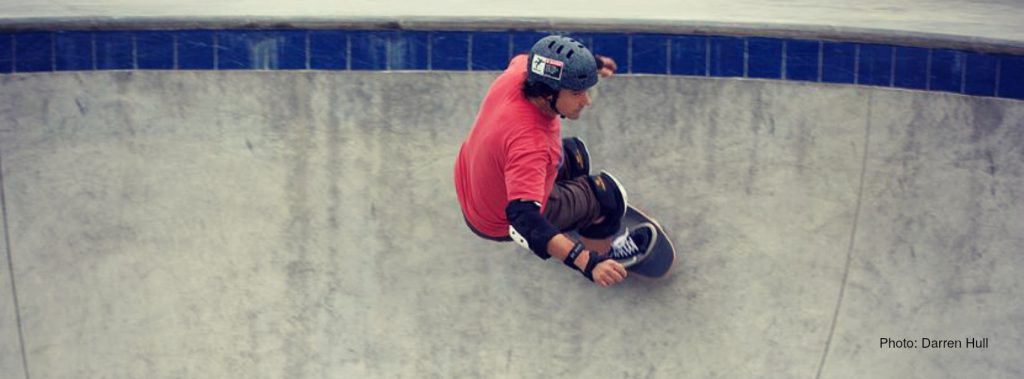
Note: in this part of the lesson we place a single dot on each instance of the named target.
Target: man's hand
(608, 66)
(605, 273)
(608, 273)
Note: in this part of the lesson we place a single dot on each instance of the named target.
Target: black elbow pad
(529, 228)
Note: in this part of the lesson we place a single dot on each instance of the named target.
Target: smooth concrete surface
(938, 249)
(979, 19)
(10, 345)
(304, 225)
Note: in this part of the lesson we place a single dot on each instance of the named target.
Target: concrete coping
(776, 30)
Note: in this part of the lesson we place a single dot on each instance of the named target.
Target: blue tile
(196, 50)
(614, 46)
(261, 50)
(911, 68)
(522, 42)
(727, 56)
(291, 50)
(689, 56)
(74, 51)
(947, 70)
(369, 50)
(154, 50)
(490, 51)
(408, 50)
(980, 78)
(650, 54)
(33, 52)
(764, 58)
(6, 53)
(838, 62)
(232, 50)
(803, 60)
(328, 50)
(1011, 77)
(450, 51)
(875, 66)
(114, 51)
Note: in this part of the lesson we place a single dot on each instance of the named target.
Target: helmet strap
(554, 101)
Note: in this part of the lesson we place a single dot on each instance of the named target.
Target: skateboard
(659, 261)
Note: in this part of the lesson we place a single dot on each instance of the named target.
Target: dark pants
(572, 205)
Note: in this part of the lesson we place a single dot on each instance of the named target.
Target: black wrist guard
(592, 260)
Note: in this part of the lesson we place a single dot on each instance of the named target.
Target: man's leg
(573, 206)
(591, 205)
(578, 201)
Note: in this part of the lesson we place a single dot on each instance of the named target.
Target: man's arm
(531, 230)
(606, 273)
(605, 66)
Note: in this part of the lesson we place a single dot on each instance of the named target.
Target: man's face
(572, 102)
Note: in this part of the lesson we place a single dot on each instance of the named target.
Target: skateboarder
(518, 180)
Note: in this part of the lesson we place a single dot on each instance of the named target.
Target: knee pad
(610, 195)
(575, 158)
(613, 200)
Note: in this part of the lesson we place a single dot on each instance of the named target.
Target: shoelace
(624, 247)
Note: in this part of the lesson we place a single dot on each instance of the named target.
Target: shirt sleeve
(526, 169)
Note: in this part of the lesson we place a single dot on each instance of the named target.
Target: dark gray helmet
(562, 62)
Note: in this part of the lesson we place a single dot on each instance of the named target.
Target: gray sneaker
(633, 246)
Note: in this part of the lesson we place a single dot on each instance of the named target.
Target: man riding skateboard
(518, 180)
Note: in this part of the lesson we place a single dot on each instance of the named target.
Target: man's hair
(537, 89)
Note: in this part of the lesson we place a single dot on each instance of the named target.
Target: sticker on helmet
(547, 67)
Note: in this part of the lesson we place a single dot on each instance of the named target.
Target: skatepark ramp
(303, 224)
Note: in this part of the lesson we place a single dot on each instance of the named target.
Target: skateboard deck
(660, 260)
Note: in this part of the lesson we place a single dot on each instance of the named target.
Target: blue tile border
(261, 50)
(764, 58)
(6, 53)
(728, 56)
(980, 76)
(369, 50)
(450, 51)
(328, 50)
(615, 46)
(874, 65)
(115, 50)
(803, 60)
(33, 52)
(194, 50)
(689, 55)
(947, 71)
(522, 42)
(1011, 77)
(409, 51)
(489, 51)
(650, 54)
(910, 68)
(154, 50)
(74, 51)
(808, 60)
(838, 62)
